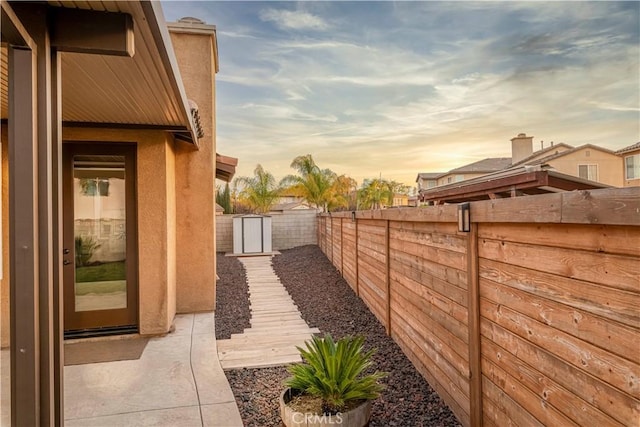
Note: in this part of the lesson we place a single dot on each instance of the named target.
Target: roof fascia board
(153, 13)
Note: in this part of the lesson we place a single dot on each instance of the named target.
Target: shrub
(85, 248)
(334, 372)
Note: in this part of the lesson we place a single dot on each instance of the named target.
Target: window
(589, 172)
(448, 180)
(459, 178)
(632, 166)
(431, 183)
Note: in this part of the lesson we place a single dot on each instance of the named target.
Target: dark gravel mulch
(327, 302)
(232, 298)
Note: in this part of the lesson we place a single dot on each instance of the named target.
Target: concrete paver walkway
(177, 381)
(276, 325)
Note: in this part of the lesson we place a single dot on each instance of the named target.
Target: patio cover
(519, 181)
(143, 91)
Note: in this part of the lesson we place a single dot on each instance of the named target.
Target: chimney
(521, 147)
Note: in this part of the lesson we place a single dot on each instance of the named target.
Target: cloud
(293, 19)
(408, 87)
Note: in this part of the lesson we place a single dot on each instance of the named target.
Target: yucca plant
(334, 372)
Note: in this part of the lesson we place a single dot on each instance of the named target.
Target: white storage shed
(251, 234)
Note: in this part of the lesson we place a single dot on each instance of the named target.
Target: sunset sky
(398, 88)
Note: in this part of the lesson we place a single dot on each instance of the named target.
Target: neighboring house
(400, 200)
(219, 210)
(428, 180)
(588, 162)
(511, 182)
(630, 164)
(291, 206)
(474, 170)
(108, 161)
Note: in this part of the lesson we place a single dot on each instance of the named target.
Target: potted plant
(331, 387)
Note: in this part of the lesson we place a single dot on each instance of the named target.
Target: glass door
(100, 243)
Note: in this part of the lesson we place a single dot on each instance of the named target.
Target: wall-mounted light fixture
(353, 216)
(464, 217)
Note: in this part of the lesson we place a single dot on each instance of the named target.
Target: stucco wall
(289, 230)
(195, 186)
(155, 194)
(629, 182)
(609, 169)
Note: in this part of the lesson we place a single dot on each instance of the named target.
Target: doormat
(81, 353)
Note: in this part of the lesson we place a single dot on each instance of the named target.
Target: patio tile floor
(177, 381)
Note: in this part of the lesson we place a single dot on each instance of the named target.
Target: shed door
(252, 235)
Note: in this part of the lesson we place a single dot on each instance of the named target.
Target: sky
(392, 89)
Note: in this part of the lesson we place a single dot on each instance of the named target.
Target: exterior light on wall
(464, 217)
(353, 216)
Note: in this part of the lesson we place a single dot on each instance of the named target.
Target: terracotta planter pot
(356, 417)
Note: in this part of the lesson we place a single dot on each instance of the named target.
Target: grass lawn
(86, 288)
(101, 273)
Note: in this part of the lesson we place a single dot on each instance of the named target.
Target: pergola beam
(90, 31)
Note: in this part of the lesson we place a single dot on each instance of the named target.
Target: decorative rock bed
(327, 302)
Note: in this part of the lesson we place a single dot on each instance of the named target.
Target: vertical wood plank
(475, 372)
(387, 278)
(356, 267)
(342, 247)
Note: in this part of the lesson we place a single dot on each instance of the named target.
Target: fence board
(621, 306)
(434, 235)
(556, 302)
(450, 392)
(441, 256)
(609, 335)
(452, 276)
(601, 395)
(438, 285)
(508, 409)
(425, 294)
(610, 368)
(616, 271)
(546, 390)
(530, 402)
(612, 239)
(452, 347)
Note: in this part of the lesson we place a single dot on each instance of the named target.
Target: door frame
(100, 322)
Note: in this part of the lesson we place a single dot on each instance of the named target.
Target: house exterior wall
(609, 169)
(626, 182)
(155, 192)
(195, 183)
(444, 180)
(425, 184)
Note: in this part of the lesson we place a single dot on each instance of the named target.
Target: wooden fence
(532, 318)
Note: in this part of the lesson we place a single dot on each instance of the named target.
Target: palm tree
(375, 193)
(312, 183)
(341, 195)
(259, 192)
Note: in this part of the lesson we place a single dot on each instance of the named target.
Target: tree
(259, 192)
(343, 194)
(313, 184)
(374, 194)
(223, 198)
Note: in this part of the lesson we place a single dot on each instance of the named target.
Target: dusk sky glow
(398, 88)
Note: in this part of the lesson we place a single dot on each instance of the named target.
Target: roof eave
(155, 18)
